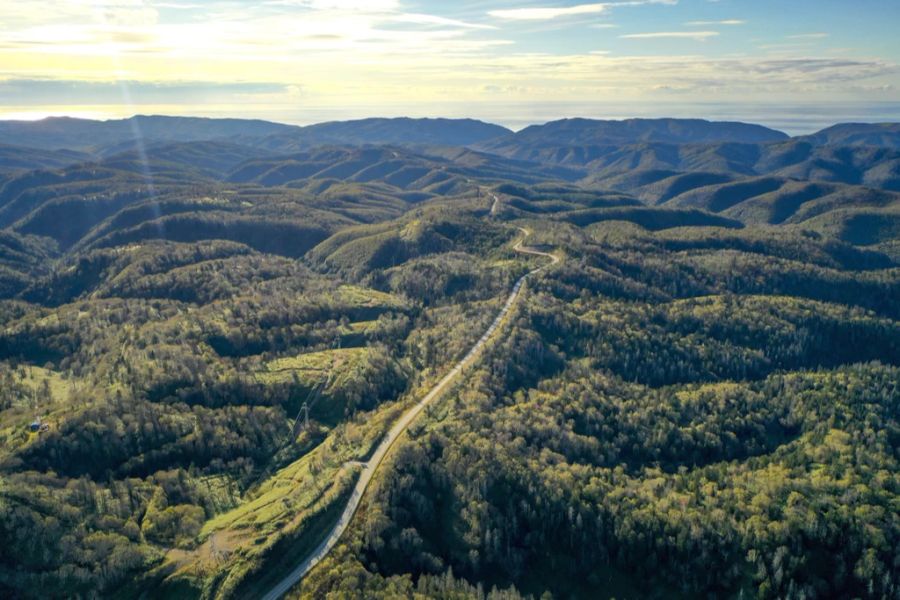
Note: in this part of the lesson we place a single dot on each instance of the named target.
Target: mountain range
(581, 137)
(68, 175)
(681, 343)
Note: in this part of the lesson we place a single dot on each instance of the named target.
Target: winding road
(401, 425)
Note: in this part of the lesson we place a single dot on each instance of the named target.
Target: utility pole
(296, 429)
(314, 394)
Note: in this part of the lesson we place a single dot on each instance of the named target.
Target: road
(495, 205)
(370, 467)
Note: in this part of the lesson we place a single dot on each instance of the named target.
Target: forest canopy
(198, 354)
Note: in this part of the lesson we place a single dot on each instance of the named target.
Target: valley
(441, 359)
(400, 427)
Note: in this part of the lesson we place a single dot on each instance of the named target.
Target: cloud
(122, 12)
(549, 13)
(377, 53)
(177, 5)
(693, 35)
(75, 92)
(467, 78)
(274, 31)
(808, 36)
(543, 14)
(368, 6)
(728, 22)
(424, 19)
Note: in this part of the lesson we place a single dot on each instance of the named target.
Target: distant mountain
(21, 158)
(778, 200)
(633, 167)
(81, 134)
(571, 133)
(444, 132)
(116, 136)
(450, 173)
(213, 158)
(885, 135)
(176, 188)
(851, 213)
(375, 167)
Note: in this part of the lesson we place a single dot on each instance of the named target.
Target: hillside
(442, 132)
(587, 132)
(210, 158)
(395, 166)
(885, 135)
(632, 166)
(85, 134)
(19, 158)
(177, 190)
(120, 135)
(697, 397)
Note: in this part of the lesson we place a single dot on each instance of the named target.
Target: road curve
(400, 426)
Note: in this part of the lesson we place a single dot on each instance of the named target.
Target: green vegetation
(633, 439)
(699, 400)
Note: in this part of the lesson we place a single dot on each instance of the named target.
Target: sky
(790, 63)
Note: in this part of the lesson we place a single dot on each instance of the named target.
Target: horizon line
(538, 122)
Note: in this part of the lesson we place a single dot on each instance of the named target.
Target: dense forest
(699, 400)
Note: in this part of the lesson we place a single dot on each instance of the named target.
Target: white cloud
(177, 5)
(808, 36)
(384, 53)
(543, 14)
(368, 6)
(273, 30)
(423, 19)
(712, 23)
(548, 13)
(18, 14)
(534, 77)
(692, 35)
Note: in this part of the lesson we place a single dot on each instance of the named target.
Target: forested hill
(441, 132)
(66, 132)
(699, 400)
(586, 132)
(859, 134)
(107, 136)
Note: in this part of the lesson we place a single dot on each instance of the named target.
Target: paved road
(400, 426)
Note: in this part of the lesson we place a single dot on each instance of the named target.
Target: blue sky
(506, 60)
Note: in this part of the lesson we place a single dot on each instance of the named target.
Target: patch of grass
(363, 297)
(35, 392)
(279, 520)
(286, 550)
(314, 367)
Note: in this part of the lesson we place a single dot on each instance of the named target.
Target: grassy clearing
(360, 327)
(314, 367)
(31, 392)
(367, 298)
(279, 519)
